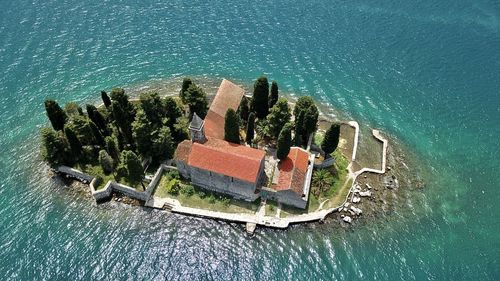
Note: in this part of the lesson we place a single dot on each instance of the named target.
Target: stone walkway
(260, 217)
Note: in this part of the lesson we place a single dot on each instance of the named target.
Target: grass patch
(96, 171)
(271, 208)
(318, 138)
(195, 197)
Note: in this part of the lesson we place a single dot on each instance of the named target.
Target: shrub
(202, 194)
(211, 199)
(173, 187)
(226, 201)
(188, 190)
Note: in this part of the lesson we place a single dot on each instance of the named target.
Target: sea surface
(426, 72)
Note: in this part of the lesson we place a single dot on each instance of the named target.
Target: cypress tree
(244, 109)
(250, 128)
(311, 116)
(96, 117)
(278, 117)
(142, 131)
(172, 110)
(260, 102)
(98, 137)
(196, 99)
(122, 120)
(106, 162)
(331, 140)
(152, 105)
(284, 142)
(56, 115)
(231, 127)
(186, 82)
(105, 99)
(74, 143)
(133, 166)
(162, 146)
(273, 96)
(112, 147)
(55, 149)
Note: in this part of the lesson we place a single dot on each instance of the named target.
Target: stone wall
(224, 184)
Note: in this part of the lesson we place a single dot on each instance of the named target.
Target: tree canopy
(331, 139)
(250, 128)
(260, 99)
(278, 117)
(56, 114)
(244, 109)
(274, 95)
(55, 148)
(131, 167)
(231, 127)
(186, 82)
(284, 142)
(106, 162)
(196, 99)
(142, 131)
(306, 118)
(105, 99)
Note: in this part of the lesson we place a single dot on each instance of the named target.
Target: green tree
(152, 105)
(172, 110)
(142, 131)
(231, 127)
(123, 119)
(322, 181)
(196, 99)
(250, 128)
(331, 139)
(133, 167)
(284, 142)
(112, 147)
(56, 115)
(278, 117)
(274, 95)
(98, 137)
(244, 109)
(163, 146)
(180, 131)
(105, 99)
(74, 143)
(80, 124)
(186, 82)
(55, 149)
(306, 117)
(106, 162)
(96, 117)
(260, 102)
(311, 116)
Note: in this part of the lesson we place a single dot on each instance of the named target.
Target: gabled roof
(196, 122)
(228, 96)
(222, 157)
(293, 170)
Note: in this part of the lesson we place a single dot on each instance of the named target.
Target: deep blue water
(426, 72)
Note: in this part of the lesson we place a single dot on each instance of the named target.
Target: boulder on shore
(347, 219)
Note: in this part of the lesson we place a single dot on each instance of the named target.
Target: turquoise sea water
(426, 72)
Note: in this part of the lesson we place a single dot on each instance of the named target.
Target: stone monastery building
(238, 170)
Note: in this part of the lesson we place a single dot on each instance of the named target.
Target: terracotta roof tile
(226, 158)
(293, 171)
(228, 96)
(182, 151)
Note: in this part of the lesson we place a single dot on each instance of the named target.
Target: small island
(257, 158)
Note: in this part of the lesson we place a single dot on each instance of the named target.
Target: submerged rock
(347, 219)
(357, 211)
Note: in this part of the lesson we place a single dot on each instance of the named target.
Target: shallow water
(423, 71)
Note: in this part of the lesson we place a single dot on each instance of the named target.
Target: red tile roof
(182, 151)
(226, 158)
(228, 96)
(292, 171)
